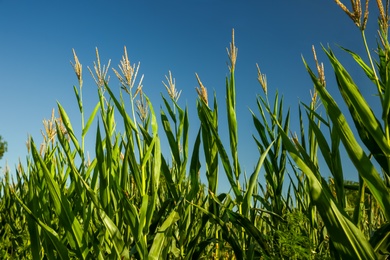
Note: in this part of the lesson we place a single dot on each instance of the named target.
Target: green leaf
(173, 143)
(362, 163)
(162, 235)
(380, 240)
(229, 236)
(232, 122)
(366, 68)
(130, 125)
(68, 126)
(62, 251)
(361, 111)
(207, 119)
(112, 229)
(254, 232)
(246, 206)
(61, 206)
(78, 97)
(194, 169)
(349, 241)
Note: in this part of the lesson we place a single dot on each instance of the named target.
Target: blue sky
(184, 37)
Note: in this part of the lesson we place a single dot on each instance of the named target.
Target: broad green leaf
(169, 181)
(54, 238)
(366, 68)
(365, 167)
(364, 134)
(254, 232)
(61, 206)
(380, 240)
(142, 216)
(79, 99)
(209, 147)
(113, 230)
(246, 206)
(170, 110)
(173, 143)
(194, 169)
(126, 118)
(68, 126)
(103, 174)
(354, 99)
(229, 236)
(207, 119)
(155, 169)
(232, 122)
(348, 240)
(162, 233)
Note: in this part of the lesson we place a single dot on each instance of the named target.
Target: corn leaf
(61, 206)
(348, 240)
(361, 111)
(253, 181)
(207, 119)
(365, 167)
(90, 120)
(68, 126)
(162, 233)
(53, 236)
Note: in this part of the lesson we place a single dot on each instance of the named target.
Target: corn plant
(347, 236)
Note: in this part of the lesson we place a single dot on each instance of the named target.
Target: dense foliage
(132, 201)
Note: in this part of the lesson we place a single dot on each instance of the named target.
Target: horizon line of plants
(131, 201)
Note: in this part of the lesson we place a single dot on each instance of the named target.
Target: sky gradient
(184, 37)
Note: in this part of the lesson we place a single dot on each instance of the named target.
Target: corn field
(132, 200)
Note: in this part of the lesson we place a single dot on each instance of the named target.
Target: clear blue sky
(185, 37)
